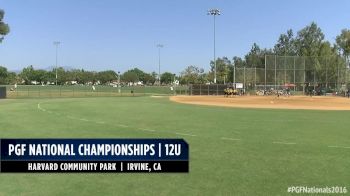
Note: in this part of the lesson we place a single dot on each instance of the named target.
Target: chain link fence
(51, 91)
(297, 73)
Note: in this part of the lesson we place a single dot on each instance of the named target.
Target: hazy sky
(118, 35)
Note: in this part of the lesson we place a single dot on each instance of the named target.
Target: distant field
(232, 151)
(52, 91)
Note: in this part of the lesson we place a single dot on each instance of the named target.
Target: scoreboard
(94, 155)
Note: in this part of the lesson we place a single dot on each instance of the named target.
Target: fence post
(315, 79)
(326, 73)
(208, 89)
(244, 79)
(200, 89)
(265, 73)
(294, 72)
(255, 78)
(337, 76)
(217, 89)
(285, 69)
(234, 76)
(275, 72)
(304, 77)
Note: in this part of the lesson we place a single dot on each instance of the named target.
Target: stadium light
(214, 12)
(159, 46)
(56, 43)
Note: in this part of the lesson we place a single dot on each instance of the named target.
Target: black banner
(94, 155)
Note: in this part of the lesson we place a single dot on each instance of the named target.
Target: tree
(149, 79)
(222, 68)
(3, 75)
(192, 75)
(106, 76)
(167, 78)
(256, 57)
(309, 40)
(4, 28)
(61, 75)
(130, 76)
(238, 62)
(285, 44)
(40, 76)
(27, 74)
(343, 42)
(12, 78)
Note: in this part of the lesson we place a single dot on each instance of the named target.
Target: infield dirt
(272, 102)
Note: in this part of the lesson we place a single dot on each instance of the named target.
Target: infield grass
(232, 151)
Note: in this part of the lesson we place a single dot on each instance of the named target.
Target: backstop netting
(295, 72)
(298, 73)
(329, 72)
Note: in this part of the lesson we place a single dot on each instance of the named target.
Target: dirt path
(293, 102)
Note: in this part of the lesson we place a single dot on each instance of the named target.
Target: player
(93, 88)
(225, 92)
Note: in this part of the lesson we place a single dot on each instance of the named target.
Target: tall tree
(130, 76)
(309, 40)
(4, 28)
(40, 76)
(343, 43)
(149, 79)
(238, 62)
(27, 74)
(191, 75)
(3, 75)
(285, 44)
(222, 68)
(106, 76)
(167, 78)
(256, 56)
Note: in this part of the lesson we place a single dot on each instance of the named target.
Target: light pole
(159, 46)
(214, 12)
(56, 43)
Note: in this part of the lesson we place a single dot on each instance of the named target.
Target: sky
(120, 35)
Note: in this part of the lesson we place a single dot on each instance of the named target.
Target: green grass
(253, 165)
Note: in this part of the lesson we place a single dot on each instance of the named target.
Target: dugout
(2, 92)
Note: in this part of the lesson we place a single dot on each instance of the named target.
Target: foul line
(149, 130)
(186, 134)
(338, 147)
(286, 143)
(227, 138)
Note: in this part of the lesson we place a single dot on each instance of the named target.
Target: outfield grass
(257, 164)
